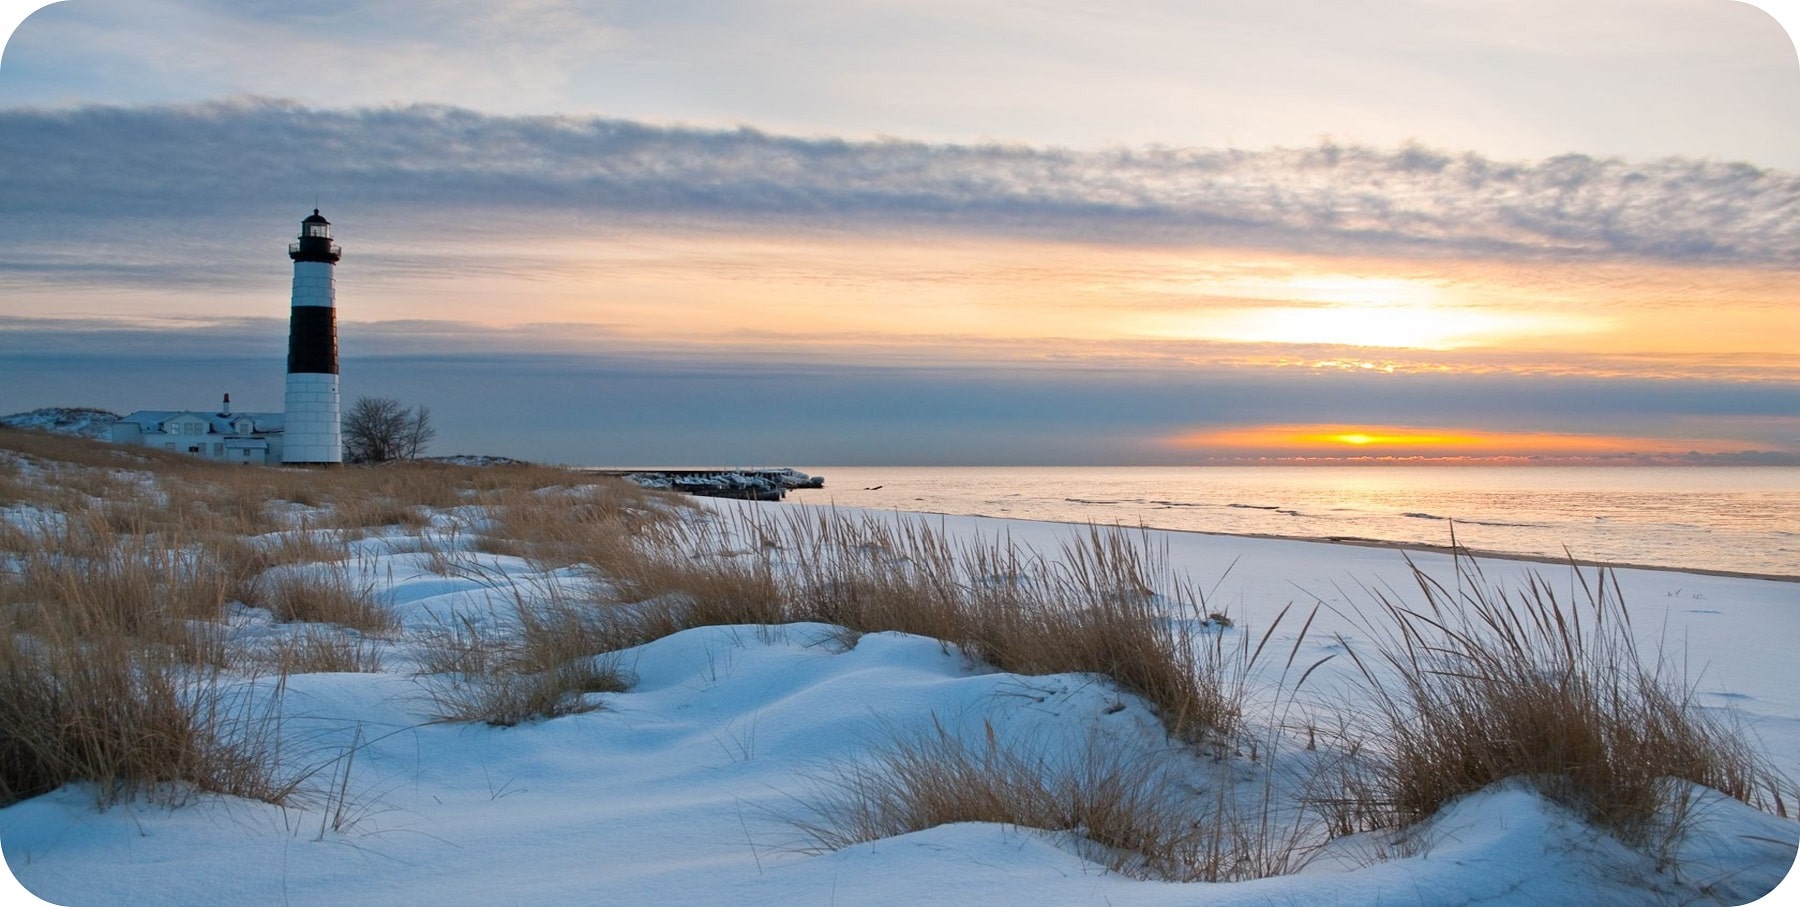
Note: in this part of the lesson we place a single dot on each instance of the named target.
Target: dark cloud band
(70, 175)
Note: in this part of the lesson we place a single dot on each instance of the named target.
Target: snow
(684, 789)
(80, 421)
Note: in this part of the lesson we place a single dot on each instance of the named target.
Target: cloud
(1527, 79)
(111, 190)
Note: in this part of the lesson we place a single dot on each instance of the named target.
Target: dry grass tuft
(1142, 819)
(47, 447)
(246, 559)
(542, 663)
(106, 709)
(1093, 610)
(111, 640)
(458, 647)
(507, 698)
(1485, 684)
(377, 512)
(79, 580)
(598, 523)
(689, 574)
(303, 546)
(318, 650)
(1096, 611)
(326, 594)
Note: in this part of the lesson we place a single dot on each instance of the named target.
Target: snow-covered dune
(685, 789)
(77, 421)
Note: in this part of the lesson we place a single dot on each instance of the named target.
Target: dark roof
(151, 420)
(315, 218)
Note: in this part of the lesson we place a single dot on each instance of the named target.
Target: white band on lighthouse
(313, 434)
(315, 283)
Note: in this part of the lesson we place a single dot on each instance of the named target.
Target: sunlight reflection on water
(1744, 519)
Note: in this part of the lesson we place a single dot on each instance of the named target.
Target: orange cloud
(1363, 441)
(1019, 301)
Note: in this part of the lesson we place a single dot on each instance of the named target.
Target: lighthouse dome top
(315, 241)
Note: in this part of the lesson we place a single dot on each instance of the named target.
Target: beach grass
(121, 569)
(1475, 683)
(316, 650)
(1094, 608)
(325, 594)
(1143, 821)
(542, 658)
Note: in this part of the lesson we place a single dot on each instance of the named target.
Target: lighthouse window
(321, 230)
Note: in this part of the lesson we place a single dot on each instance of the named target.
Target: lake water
(1743, 520)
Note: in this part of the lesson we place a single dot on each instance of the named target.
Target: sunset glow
(940, 294)
(1412, 441)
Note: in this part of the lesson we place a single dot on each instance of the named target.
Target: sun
(1339, 309)
(1383, 441)
(1398, 436)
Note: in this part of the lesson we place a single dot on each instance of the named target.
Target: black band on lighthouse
(312, 340)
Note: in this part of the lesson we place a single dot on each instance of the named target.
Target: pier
(752, 484)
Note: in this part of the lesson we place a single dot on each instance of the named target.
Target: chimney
(226, 411)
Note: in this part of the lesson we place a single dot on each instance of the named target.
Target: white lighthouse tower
(313, 433)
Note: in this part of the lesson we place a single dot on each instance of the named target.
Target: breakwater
(755, 484)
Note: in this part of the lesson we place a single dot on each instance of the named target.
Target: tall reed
(1144, 821)
(1096, 608)
(1479, 683)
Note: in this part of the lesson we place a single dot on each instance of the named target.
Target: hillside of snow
(76, 421)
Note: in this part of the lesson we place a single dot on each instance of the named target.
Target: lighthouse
(313, 434)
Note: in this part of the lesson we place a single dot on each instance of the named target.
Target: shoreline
(1487, 554)
(1360, 542)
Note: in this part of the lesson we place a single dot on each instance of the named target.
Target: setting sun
(1336, 441)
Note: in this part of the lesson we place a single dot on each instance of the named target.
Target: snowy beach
(697, 782)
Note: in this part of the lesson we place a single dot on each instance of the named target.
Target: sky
(817, 232)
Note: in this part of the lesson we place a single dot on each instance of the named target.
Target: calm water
(1733, 519)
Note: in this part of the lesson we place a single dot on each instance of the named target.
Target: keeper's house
(224, 436)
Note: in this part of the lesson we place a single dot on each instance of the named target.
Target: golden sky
(1029, 296)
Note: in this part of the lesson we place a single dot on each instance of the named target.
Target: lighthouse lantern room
(313, 434)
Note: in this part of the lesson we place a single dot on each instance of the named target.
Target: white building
(224, 436)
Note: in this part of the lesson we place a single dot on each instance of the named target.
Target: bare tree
(418, 433)
(379, 429)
